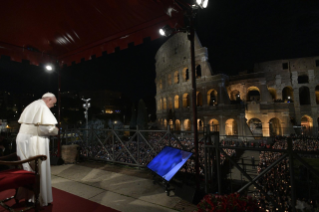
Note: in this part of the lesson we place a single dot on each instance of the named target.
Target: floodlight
(48, 67)
(202, 3)
(205, 3)
(166, 31)
(161, 31)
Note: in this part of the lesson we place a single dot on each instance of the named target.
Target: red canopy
(69, 30)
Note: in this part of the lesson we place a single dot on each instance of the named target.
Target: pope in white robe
(37, 123)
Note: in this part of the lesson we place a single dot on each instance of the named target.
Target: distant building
(269, 101)
(109, 102)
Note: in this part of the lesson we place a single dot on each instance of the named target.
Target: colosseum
(278, 98)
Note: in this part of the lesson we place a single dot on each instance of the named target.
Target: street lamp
(86, 106)
(50, 68)
(191, 11)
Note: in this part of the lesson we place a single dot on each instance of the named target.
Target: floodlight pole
(191, 38)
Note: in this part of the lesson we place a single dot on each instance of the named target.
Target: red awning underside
(70, 30)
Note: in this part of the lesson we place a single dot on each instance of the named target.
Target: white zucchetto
(46, 95)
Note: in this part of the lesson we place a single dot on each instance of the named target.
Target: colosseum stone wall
(269, 101)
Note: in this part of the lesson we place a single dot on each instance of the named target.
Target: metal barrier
(138, 147)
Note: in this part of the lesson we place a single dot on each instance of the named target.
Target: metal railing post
(292, 176)
(219, 180)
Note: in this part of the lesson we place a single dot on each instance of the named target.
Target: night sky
(237, 34)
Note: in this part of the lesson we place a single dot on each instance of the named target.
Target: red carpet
(62, 202)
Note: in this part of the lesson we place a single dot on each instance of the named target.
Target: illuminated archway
(200, 125)
(171, 124)
(177, 125)
(199, 99)
(253, 94)
(255, 126)
(170, 103)
(214, 125)
(235, 95)
(176, 77)
(231, 127)
(187, 125)
(164, 104)
(307, 124)
(273, 93)
(288, 94)
(317, 94)
(212, 97)
(186, 100)
(274, 127)
(176, 102)
(186, 74)
(165, 123)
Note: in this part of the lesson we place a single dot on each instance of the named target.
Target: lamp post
(191, 11)
(86, 106)
(50, 68)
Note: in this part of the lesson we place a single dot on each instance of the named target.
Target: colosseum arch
(200, 125)
(235, 95)
(273, 93)
(255, 126)
(186, 76)
(212, 97)
(187, 125)
(160, 122)
(176, 102)
(253, 94)
(317, 94)
(304, 95)
(165, 123)
(198, 71)
(186, 100)
(171, 124)
(307, 124)
(274, 127)
(160, 84)
(199, 99)
(170, 103)
(288, 94)
(214, 125)
(177, 125)
(176, 77)
(231, 127)
(164, 104)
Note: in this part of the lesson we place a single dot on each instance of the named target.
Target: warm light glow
(48, 68)
(109, 111)
(7, 126)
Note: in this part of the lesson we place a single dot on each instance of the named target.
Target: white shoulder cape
(37, 113)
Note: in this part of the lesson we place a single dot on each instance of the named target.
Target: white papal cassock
(37, 123)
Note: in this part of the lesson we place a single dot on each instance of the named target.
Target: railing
(138, 147)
